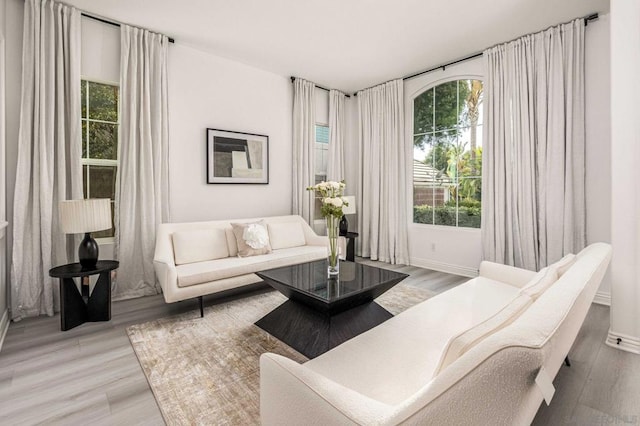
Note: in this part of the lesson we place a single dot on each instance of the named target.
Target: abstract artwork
(235, 157)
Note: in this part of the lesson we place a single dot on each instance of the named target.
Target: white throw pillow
(252, 238)
(199, 245)
(286, 234)
(540, 282)
(564, 264)
(461, 343)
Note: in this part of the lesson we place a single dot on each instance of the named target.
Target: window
(100, 143)
(321, 158)
(447, 154)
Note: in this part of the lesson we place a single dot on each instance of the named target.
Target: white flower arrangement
(330, 194)
(255, 236)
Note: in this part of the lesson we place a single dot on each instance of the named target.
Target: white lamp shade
(80, 216)
(351, 208)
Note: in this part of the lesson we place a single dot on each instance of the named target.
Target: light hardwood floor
(90, 374)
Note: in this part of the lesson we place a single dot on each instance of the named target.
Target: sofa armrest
(291, 394)
(167, 276)
(516, 277)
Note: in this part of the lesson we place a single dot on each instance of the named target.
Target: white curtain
(337, 129)
(533, 207)
(142, 194)
(49, 154)
(382, 182)
(304, 121)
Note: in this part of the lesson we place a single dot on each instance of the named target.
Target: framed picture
(234, 157)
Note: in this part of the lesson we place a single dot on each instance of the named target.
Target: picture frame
(237, 157)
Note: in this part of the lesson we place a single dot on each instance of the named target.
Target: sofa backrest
(164, 245)
(494, 382)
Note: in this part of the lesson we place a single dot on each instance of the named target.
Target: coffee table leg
(313, 333)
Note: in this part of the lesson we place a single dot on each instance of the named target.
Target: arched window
(447, 154)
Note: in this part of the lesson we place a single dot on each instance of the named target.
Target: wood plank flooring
(90, 374)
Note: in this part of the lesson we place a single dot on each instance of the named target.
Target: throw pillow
(540, 282)
(564, 264)
(252, 238)
(460, 344)
(199, 245)
(286, 234)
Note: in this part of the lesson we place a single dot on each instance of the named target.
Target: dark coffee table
(322, 313)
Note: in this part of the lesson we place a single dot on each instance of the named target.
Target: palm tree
(474, 99)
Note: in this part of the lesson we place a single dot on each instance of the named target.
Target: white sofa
(468, 356)
(188, 265)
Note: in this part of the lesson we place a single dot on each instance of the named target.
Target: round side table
(78, 307)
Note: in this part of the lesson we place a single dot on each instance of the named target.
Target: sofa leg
(200, 299)
(566, 361)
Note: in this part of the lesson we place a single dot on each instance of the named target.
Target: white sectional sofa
(199, 258)
(469, 356)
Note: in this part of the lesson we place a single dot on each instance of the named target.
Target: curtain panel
(337, 129)
(142, 188)
(533, 207)
(49, 154)
(382, 182)
(304, 121)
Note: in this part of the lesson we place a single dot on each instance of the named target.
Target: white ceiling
(343, 44)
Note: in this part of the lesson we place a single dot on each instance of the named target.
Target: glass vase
(333, 262)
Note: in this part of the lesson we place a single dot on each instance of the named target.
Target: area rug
(206, 370)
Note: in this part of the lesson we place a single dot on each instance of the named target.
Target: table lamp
(85, 217)
(350, 209)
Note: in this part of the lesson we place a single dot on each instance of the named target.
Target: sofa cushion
(368, 363)
(202, 272)
(286, 235)
(198, 246)
(252, 238)
(462, 342)
(564, 264)
(540, 282)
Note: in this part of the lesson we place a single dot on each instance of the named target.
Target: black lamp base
(343, 226)
(88, 252)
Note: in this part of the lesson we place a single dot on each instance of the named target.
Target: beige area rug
(206, 370)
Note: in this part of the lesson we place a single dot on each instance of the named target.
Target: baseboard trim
(627, 343)
(4, 326)
(602, 298)
(444, 267)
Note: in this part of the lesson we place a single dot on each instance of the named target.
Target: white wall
(625, 175)
(598, 139)
(209, 91)
(443, 248)
(4, 307)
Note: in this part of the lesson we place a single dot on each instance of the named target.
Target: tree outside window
(447, 165)
(100, 143)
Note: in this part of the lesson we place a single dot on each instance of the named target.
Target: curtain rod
(115, 24)
(318, 87)
(591, 17)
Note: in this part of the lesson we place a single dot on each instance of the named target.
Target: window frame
(410, 157)
(100, 161)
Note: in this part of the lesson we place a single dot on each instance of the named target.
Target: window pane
(83, 96)
(103, 141)
(103, 102)
(85, 174)
(470, 92)
(423, 113)
(84, 139)
(102, 181)
(469, 197)
(447, 105)
(322, 134)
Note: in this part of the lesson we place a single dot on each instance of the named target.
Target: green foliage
(102, 141)
(468, 217)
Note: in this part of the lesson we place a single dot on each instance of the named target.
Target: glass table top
(311, 279)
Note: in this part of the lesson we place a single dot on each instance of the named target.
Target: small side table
(79, 307)
(351, 246)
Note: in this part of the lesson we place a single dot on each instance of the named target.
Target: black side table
(351, 246)
(77, 308)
